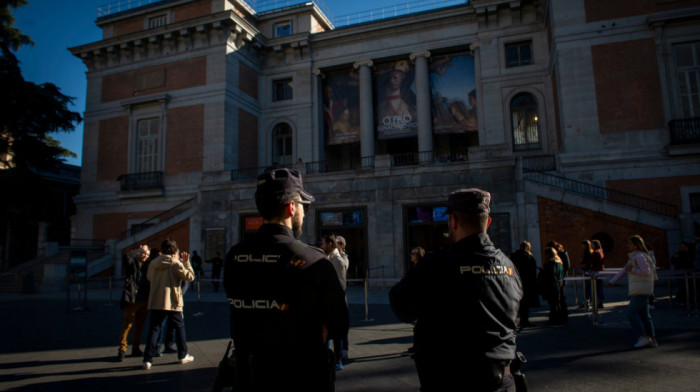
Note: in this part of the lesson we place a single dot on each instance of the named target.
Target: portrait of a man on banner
(395, 97)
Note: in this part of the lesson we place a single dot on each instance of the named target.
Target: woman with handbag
(642, 274)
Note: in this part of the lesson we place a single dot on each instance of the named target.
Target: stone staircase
(45, 274)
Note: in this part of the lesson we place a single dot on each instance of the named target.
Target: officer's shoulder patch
(297, 262)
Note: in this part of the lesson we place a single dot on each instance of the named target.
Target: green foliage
(29, 112)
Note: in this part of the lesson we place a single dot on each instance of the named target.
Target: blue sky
(55, 26)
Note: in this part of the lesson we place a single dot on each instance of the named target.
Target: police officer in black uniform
(464, 303)
(285, 298)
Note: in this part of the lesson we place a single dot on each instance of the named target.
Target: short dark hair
(274, 208)
(169, 247)
(478, 220)
(331, 239)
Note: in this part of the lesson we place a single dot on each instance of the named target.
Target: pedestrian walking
(641, 272)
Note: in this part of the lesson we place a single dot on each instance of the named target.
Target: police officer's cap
(276, 183)
(470, 201)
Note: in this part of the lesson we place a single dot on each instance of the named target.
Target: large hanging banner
(341, 107)
(395, 98)
(453, 89)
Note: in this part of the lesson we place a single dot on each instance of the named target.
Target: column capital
(422, 53)
(317, 72)
(473, 46)
(361, 63)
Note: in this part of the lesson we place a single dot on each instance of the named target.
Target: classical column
(366, 109)
(425, 129)
(317, 138)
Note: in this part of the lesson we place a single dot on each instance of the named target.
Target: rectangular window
(282, 29)
(518, 53)
(282, 89)
(157, 21)
(148, 135)
(687, 57)
(694, 203)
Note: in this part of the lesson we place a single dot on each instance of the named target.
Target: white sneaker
(147, 365)
(643, 341)
(187, 359)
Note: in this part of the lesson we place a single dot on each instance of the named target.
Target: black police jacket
(464, 302)
(283, 295)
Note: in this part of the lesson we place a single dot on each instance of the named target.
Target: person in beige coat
(166, 273)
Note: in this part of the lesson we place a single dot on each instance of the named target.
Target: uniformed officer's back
(284, 296)
(464, 302)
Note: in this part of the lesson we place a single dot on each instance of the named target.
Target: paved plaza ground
(53, 343)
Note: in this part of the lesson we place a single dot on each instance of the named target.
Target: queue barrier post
(594, 296)
(199, 298)
(366, 289)
(573, 273)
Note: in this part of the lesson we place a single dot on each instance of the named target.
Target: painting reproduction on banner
(395, 100)
(341, 107)
(453, 89)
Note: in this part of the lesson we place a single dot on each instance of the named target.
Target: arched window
(525, 123)
(282, 144)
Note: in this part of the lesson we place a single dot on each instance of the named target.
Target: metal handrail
(162, 217)
(266, 6)
(603, 193)
(248, 173)
(411, 7)
(141, 181)
(335, 165)
(430, 157)
(539, 163)
(685, 131)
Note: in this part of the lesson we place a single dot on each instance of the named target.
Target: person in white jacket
(642, 274)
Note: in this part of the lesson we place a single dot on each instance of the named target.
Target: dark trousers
(558, 311)
(338, 347)
(524, 312)
(599, 290)
(174, 321)
(435, 377)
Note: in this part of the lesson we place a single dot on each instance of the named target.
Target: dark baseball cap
(276, 183)
(469, 200)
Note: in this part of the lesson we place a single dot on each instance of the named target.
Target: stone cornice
(379, 30)
(224, 27)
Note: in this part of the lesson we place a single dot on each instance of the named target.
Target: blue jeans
(639, 316)
(174, 321)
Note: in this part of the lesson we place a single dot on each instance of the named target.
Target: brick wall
(665, 189)
(176, 75)
(112, 147)
(628, 90)
(129, 26)
(191, 11)
(570, 225)
(185, 138)
(180, 232)
(110, 226)
(183, 12)
(597, 10)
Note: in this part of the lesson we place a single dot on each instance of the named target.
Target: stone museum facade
(581, 118)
